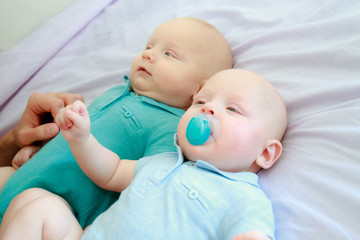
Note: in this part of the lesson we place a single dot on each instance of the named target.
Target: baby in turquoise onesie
(135, 120)
(208, 189)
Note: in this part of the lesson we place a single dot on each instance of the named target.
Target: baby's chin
(194, 153)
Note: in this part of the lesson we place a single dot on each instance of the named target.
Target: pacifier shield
(198, 130)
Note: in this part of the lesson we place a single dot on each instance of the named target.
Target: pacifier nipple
(198, 130)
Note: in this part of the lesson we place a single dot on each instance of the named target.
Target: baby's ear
(270, 154)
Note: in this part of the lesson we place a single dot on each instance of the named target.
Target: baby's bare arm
(101, 165)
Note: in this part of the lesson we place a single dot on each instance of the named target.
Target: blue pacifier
(198, 130)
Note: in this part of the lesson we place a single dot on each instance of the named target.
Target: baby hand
(74, 122)
(252, 235)
(24, 155)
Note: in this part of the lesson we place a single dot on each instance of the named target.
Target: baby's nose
(208, 109)
(148, 55)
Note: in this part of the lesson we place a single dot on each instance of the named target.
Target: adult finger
(39, 133)
(67, 98)
(40, 104)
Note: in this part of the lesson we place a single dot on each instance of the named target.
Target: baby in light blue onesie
(208, 189)
(186, 200)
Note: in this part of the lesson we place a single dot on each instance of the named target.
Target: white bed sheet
(310, 50)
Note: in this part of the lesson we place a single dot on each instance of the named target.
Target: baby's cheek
(234, 143)
(182, 128)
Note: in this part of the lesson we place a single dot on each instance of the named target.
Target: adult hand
(35, 124)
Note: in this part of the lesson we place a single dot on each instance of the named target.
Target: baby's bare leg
(5, 173)
(22, 199)
(38, 214)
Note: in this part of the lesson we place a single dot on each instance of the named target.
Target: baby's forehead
(185, 25)
(224, 87)
(177, 34)
(240, 85)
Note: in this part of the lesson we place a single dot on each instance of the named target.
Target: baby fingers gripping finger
(62, 119)
(68, 118)
(78, 120)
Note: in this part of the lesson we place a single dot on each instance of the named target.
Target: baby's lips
(143, 69)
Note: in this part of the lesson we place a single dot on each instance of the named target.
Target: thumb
(39, 133)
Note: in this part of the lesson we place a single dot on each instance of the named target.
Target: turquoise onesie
(131, 125)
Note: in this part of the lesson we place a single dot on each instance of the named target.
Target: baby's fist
(74, 121)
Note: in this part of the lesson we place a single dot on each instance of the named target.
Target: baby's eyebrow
(206, 90)
(238, 99)
(235, 96)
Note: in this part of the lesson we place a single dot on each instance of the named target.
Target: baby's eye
(231, 109)
(147, 48)
(169, 54)
(200, 102)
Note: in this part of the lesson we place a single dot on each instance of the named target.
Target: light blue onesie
(132, 126)
(173, 199)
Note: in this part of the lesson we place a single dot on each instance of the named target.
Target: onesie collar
(247, 177)
(177, 111)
